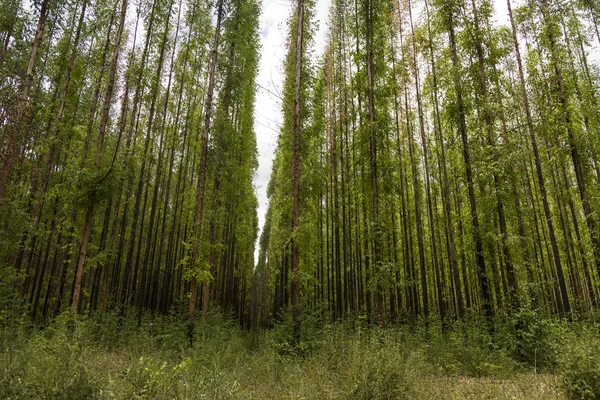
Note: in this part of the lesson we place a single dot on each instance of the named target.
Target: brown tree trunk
(133, 124)
(31, 240)
(446, 200)
(377, 243)
(505, 253)
(100, 143)
(296, 169)
(202, 172)
(415, 180)
(484, 285)
(11, 141)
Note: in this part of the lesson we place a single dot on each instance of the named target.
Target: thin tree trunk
(505, 253)
(377, 243)
(202, 172)
(100, 143)
(484, 285)
(11, 141)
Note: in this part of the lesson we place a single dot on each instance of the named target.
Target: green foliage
(195, 267)
(511, 165)
(389, 371)
(95, 186)
(8, 278)
(468, 349)
(118, 359)
(60, 367)
(579, 361)
(298, 344)
(153, 379)
(537, 339)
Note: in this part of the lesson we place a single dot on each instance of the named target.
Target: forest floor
(85, 359)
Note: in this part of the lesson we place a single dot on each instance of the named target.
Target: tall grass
(84, 358)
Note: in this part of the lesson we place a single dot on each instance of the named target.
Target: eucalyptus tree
(98, 156)
(285, 253)
(14, 130)
(449, 11)
(232, 225)
(430, 161)
(201, 185)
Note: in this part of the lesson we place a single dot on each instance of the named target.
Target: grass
(83, 358)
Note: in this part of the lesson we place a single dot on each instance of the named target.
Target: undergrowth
(114, 358)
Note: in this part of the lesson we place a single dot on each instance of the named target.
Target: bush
(123, 358)
(309, 339)
(580, 364)
(536, 340)
(52, 364)
(385, 373)
(468, 349)
(153, 379)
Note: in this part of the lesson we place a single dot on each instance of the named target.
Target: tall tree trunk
(100, 143)
(430, 213)
(11, 141)
(484, 284)
(296, 168)
(41, 192)
(202, 172)
(127, 281)
(574, 146)
(485, 100)
(446, 200)
(377, 242)
(148, 261)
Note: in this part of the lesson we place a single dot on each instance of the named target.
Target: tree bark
(202, 172)
(100, 143)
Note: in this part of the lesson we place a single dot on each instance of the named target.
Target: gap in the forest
(267, 113)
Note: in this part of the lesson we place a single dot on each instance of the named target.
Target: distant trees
(455, 164)
(432, 164)
(125, 117)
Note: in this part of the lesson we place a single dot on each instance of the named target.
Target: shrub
(536, 340)
(51, 365)
(387, 370)
(153, 379)
(580, 364)
(308, 340)
(467, 349)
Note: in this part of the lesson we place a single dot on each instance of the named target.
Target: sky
(267, 114)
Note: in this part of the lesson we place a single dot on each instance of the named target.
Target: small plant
(154, 379)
